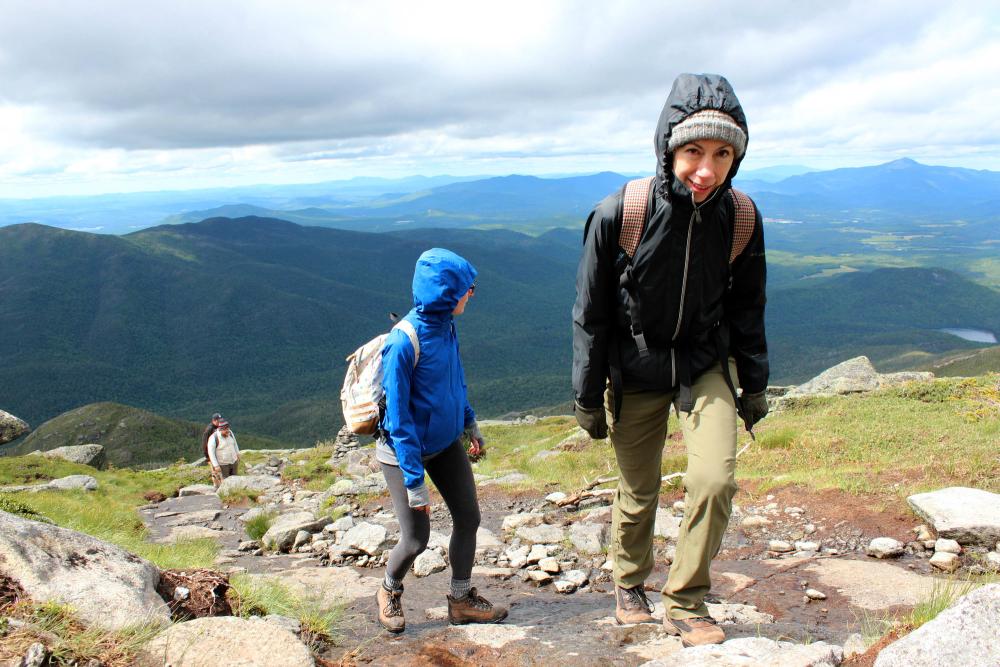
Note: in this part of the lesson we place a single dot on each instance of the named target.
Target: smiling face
(703, 165)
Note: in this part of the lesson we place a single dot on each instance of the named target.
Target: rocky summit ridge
(796, 571)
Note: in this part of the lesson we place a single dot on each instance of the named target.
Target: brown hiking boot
(632, 606)
(390, 609)
(695, 631)
(474, 608)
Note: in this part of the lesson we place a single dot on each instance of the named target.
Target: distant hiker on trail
(223, 453)
(209, 430)
(427, 412)
(670, 310)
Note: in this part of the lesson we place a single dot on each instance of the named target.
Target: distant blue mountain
(773, 174)
(900, 193)
(900, 187)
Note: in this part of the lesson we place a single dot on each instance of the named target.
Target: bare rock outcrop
(88, 455)
(226, 640)
(11, 427)
(963, 634)
(106, 585)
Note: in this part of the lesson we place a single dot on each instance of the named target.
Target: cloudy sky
(125, 96)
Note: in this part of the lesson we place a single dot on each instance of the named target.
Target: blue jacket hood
(440, 279)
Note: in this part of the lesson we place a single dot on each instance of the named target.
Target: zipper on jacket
(695, 218)
(684, 278)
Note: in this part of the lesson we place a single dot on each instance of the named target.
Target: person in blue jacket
(427, 412)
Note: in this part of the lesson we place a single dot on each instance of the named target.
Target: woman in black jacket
(670, 310)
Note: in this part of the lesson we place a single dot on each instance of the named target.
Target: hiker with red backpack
(670, 310)
(426, 414)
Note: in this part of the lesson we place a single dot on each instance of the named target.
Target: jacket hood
(692, 93)
(440, 279)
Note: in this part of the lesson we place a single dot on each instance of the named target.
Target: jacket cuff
(473, 430)
(419, 496)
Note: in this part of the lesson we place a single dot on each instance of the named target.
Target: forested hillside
(253, 317)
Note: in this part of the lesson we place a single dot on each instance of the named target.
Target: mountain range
(253, 317)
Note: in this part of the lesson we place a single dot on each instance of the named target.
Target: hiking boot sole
(674, 631)
(649, 620)
(394, 631)
(470, 621)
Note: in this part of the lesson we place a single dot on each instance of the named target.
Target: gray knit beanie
(709, 124)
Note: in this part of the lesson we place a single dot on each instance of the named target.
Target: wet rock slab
(969, 516)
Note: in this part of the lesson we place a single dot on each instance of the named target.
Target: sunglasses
(472, 288)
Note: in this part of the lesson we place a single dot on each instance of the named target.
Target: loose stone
(945, 561)
(779, 546)
(814, 594)
(563, 586)
(947, 546)
(885, 547)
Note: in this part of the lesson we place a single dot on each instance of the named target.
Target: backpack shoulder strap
(744, 219)
(635, 209)
(406, 327)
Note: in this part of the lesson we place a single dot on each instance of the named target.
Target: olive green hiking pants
(638, 437)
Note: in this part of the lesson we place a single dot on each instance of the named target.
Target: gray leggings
(452, 475)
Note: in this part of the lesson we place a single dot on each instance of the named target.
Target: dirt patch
(872, 516)
(205, 596)
(867, 659)
(10, 591)
(154, 497)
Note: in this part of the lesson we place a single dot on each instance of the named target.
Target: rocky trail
(794, 568)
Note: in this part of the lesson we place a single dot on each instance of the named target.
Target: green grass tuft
(260, 596)
(258, 525)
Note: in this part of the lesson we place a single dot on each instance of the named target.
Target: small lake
(974, 335)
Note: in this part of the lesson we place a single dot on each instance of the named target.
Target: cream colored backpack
(362, 394)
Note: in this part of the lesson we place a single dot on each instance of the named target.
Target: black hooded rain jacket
(694, 304)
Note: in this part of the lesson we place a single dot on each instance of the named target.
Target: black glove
(754, 407)
(592, 420)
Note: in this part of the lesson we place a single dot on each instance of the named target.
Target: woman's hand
(476, 449)
(426, 509)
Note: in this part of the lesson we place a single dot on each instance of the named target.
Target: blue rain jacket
(427, 407)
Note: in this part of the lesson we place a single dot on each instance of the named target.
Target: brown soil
(10, 591)
(154, 497)
(867, 659)
(206, 597)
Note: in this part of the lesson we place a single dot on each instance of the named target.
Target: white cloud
(129, 96)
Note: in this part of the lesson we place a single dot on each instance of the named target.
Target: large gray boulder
(964, 634)
(74, 482)
(368, 537)
(68, 483)
(243, 483)
(968, 516)
(11, 428)
(754, 652)
(853, 375)
(88, 455)
(542, 534)
(106, 585)
(281, 535)
(196, 490)
(214, 641)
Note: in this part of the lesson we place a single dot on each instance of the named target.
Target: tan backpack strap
(411, 333)
(635, 208)
(744, 219)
